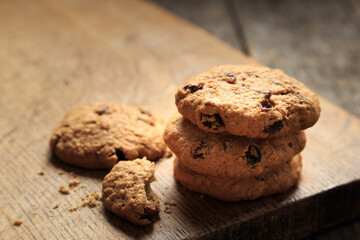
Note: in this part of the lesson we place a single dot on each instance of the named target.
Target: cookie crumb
(168, 210)
(61, 173)
(57, 204)
(91, 200)
(73, 208)
(74, 182)
(170, 203)
(18, 222)
(64, 190)
(41, 172)
(168, 207)
(74, 175)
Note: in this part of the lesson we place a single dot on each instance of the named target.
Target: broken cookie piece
(127, 193)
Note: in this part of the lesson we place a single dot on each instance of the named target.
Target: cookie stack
(240, 132)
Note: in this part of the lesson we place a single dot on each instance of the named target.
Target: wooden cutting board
(55, 55)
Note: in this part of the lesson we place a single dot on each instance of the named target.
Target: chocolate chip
(149, 214)
(101, 110)
(212, 121)
(193, 88)
(253, 155)
(290, 144)
(199, 151)
(274, 128)
(120, 155)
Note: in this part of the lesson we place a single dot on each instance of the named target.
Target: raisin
(198, 155)
(253, 155)
(199, 151)
(212, 121)
(120, 155)
(193, 88)
(266, 105)
(102, 110)
(258, 178)
(149, 214)
(274, 128)
(231, 78)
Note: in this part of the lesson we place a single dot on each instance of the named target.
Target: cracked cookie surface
(99, 134)
(248, 101)
(231, 189)
(226, 155)
(126, 191)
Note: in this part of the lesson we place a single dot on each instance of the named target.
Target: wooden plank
(55, 56)
(210, 15)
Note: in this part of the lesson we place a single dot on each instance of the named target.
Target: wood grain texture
(317, 42)
(211, 15)
(56, 56)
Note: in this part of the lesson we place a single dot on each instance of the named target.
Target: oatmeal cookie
(230, 189)
(248, 101)
(227, 155)
(99, 134)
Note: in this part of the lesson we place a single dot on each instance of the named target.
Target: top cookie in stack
(252, 101)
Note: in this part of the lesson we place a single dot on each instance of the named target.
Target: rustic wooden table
(317, 42)
(55, 55)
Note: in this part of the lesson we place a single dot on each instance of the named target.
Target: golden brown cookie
(248, 101)
(99, 134)
(231, 189)
(228, 155)
(127, 193)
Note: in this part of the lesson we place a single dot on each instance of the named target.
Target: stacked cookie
(240, 132)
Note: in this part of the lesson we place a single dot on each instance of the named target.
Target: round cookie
(248, 101)
(228, 155)
(126, 191)
(231, 189)
(99, 134)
